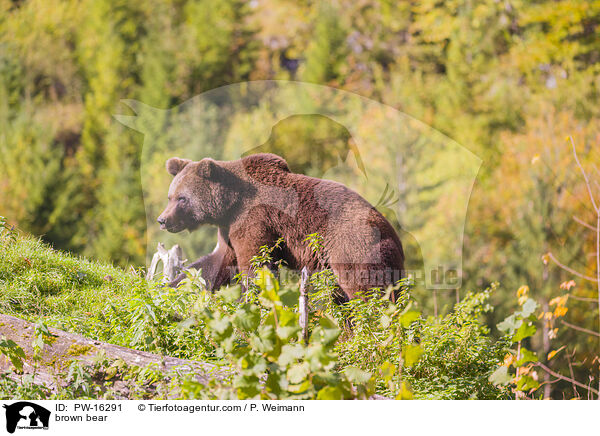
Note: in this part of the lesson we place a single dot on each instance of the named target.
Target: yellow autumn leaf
(560, 311)
(508, 359)
(567, 285)
(553, 353)
(523, 291)
(560, 301)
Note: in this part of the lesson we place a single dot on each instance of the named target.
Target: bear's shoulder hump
(265, 161)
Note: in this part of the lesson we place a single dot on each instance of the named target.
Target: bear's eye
(182, 200)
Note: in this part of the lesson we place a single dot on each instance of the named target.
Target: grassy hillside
(66, 291)
(95, 299)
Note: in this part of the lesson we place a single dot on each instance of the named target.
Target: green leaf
(387, 370)
(287, 317)
(221, 328)
(268, 284)
(406, 319)
(290, 353)
(275, 383)
(411, 354)
(297, 373)
(526, 330)
(264, 340)
(510, 324)
(256, 366)
(319, 356)
(327, 322)
(526, 356)
(247, 317)
(285, 333)
(300, 388)
(357, 375)
(247, 386)
(289, 296)
(230, 294)
(528, 308)
(17, 362)
(500, 376)
(330, 393)
(404, 393)
(526, 383)
(327, 332)
(19, 352)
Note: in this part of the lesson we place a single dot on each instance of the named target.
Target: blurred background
(507, 80)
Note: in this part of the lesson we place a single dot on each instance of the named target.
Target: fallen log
(67, 347)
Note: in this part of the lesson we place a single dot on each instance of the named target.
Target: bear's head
(202, 192)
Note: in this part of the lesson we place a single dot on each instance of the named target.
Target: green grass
(96, 300)
(66, 291)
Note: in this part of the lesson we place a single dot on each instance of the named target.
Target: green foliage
(381, 347)
(8, 233)
(42, 337)
(458, 353)
(518, 327)
(67, 164)
(151, 321)
(327, 50)
(10, 350)
(261, 341)
(23, 389)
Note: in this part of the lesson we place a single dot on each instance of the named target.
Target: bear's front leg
(217, 268)
(248, 245)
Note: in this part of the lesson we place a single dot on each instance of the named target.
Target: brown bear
(256, 200)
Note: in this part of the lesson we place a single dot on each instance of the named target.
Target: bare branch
(571, 270)
(581, 329)
(585, 176)
(591, 300)
(584, 224)
(572, 376)
(562, 377)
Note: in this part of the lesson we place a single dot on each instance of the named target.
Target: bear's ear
(175, 165)
(209, 169)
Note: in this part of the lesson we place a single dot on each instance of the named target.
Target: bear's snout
(170, 220)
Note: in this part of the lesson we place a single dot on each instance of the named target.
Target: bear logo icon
(24, 414)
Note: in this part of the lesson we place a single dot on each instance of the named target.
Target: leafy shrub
(459, 355)
(259, 336)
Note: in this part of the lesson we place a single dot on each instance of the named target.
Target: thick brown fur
(256, 200)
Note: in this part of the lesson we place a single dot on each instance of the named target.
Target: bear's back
(264, 167)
